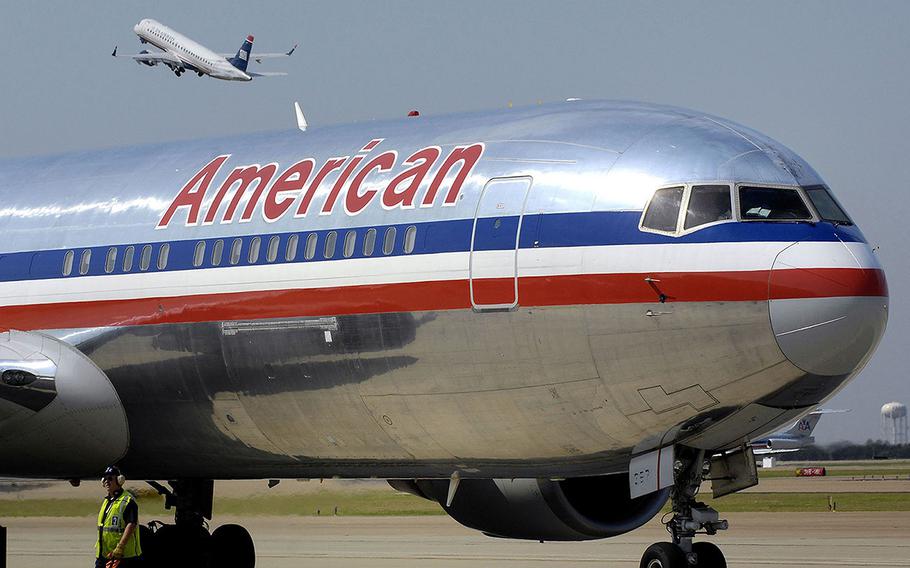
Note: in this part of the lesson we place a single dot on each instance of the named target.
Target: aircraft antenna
(301, 120)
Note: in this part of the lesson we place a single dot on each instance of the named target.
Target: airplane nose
(828, 305)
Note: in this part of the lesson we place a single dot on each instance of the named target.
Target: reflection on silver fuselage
(620, 340)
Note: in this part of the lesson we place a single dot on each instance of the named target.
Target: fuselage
(194, 55)
(502, 294)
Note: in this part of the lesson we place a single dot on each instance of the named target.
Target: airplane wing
(266, 74)
(151, 58)
(258, 57)
(769, 451)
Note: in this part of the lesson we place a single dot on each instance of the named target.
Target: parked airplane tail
(243, 54)
(804, 427)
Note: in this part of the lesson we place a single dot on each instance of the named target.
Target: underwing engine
(59, 414)
(583, 508)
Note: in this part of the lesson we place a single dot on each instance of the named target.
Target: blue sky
(827, 78)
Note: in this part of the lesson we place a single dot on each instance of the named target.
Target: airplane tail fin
(243, 54)
(805, 426)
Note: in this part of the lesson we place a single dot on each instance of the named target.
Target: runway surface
(755, 539)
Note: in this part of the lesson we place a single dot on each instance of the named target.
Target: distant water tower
(894, 423)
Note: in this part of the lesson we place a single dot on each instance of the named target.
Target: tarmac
(754, 540)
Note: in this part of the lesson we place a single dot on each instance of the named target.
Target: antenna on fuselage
(301, 120)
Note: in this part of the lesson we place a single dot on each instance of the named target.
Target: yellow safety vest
(111, 526)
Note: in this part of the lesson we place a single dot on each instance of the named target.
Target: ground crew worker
(118, 524)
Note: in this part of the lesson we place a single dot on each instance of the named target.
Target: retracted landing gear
(187, 543)
(689, 518)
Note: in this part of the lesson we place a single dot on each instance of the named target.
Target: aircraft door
(494, 243)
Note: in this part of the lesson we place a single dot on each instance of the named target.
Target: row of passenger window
(368, 246)
(681, 209)
(110, 260)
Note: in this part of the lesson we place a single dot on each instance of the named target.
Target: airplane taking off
(181, 54)
(549, 320)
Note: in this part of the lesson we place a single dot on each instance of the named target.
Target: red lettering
(292, 179)
(372, 144)
(193, 193)
(339, 183)
(243, 176)
(355, 201)
(329, 166)
(424, 160)
(468, 156)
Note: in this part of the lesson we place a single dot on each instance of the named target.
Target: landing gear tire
(663, 555)
(181, 547)
(709, 556)
(232, 547)
(187, 543)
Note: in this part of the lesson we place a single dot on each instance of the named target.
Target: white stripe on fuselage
(564, 261)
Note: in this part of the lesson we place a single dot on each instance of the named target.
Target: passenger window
(110, 260)
(291, 252)
(85, 262)
(253, 256)
(310, 251)
(663, 210)
(163, 253)
(772, 204)
(708, 204)
(272, 252)
(145, 258)
(350, 241)
(199, 254)
(410, 238)
(369, 242)
(235, 250)
(388, 241)
(68, 262)
(828, 209)
(329, 250)
(128, 258)
(217, 251)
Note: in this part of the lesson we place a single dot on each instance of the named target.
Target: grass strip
(324, 503)
(902, 473)
(386, 503)
(808, 502)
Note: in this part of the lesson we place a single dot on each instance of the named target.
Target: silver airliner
(549, 320)
(181, 54)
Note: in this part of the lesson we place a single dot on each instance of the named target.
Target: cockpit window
(663, 210)
(772, 204)
(708, 204)
(828, 209)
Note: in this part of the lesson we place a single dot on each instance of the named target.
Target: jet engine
(59, 414)
(584, 508)
(147, 63)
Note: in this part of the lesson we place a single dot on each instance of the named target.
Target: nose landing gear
(689, 518)
(187, 543)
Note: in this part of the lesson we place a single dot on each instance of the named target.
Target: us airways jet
(548, 320)
(182, 54)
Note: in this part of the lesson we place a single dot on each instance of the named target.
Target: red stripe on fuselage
(449, 295)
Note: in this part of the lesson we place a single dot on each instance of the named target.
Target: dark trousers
(124, 563)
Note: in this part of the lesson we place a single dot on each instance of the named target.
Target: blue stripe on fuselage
(537, 230)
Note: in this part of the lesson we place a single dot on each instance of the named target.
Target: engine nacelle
(584, 508)
(146, 63)
(59, 414)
